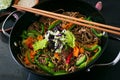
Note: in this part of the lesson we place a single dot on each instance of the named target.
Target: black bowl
(52, 5)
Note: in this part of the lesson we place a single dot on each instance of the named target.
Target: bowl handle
(112, 63)
(16, 17)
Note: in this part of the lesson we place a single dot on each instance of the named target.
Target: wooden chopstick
(72, 18)
(90, 24)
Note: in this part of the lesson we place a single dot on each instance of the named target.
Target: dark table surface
(10, 70)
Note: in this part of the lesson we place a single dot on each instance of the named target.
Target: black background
(10, 70)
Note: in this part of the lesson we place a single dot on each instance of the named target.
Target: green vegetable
(41, 27)
(96, 33)
(70, 38)
(92, 49)
(97, 53)
(43, 67)
(88, 18)
(62, 72)
(50, 64)
(93, 30)
(29, 58)
(83, 65)
(92, 58)
(81, 60)
(32, 33)
(40, 44)
(46, 68)
(24, 35)
(54, 24)
(42, 31)
(47, 60)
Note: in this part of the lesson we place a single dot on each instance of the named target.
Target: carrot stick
(76, 51)
(27, 62)
(81, 50)
(56, 55)
(39, 37)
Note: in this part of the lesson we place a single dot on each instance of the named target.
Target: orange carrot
(39, 37)
(67, 26)
(32, 53)
(28, 42)
(27, 62)
(56, 55)
(76, 51)
(81, 50)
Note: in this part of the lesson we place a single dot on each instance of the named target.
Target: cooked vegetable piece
(31, 56)
(82, 59)
(62, 72)
(39, 37)
(67, 26)
(94, 57)
(96, 33)
(28, 42)
(83, 65)
(29, 33)
(93, 30)
(69, 58)
(70, 38)
(81, 50)
(50, 64)
(41, 66)
(42, 26)
(56, 55)
(75, 51)
(97, 53)
(40, 44)
(54, 24)
(92, 48)
(26, 60)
